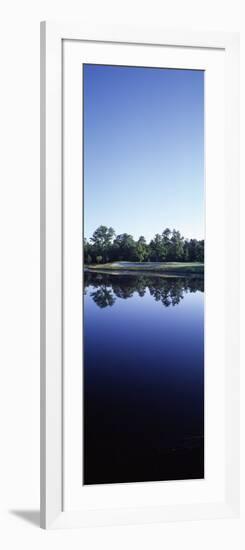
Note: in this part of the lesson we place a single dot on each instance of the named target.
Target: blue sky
(143, 150)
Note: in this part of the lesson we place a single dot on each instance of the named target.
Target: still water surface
(143, 378)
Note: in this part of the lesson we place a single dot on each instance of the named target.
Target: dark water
(143, 378)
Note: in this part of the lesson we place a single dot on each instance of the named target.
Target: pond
(143, 378)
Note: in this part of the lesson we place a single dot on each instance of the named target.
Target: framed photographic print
(139, 275)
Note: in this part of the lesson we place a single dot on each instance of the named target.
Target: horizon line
(142, 235)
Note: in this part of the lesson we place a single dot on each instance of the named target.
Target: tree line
(169, 246)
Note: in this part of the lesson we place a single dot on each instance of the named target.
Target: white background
(19, 254)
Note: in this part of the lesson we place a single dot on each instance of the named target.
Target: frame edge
(51, 277)
(52, 515)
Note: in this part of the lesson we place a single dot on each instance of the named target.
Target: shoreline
(159, 271)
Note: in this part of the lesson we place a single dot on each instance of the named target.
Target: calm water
(143, 378)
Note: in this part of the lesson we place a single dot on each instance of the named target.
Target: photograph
(121, 300)
(143, 274)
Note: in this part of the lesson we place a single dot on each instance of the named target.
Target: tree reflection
(106, 287)
(103, 297)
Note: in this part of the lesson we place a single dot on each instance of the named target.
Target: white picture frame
(57, 510)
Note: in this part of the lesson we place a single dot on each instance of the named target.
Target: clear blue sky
(143, 150)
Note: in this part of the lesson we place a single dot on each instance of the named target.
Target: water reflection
(143, 378)
(107, 287)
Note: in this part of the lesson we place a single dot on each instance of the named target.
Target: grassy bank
(168, 268)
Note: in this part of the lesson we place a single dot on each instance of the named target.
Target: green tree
(186, 252)
(177, 246)
(87, 252)
(200, 251)
(166, 243)
(101, 239)
(141, 249)
(168, 246)
(103, 235)
(126, 246)
(196, 250)
(157, 249)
